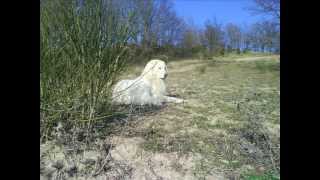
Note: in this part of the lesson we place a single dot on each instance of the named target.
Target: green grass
(266, 176)
(266, 66)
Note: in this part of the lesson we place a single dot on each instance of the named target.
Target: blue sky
(225, 11)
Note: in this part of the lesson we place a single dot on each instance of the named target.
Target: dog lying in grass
(147, 89)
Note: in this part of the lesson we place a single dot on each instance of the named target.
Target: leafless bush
(254, 139)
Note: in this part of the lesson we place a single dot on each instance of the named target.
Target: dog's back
(132, 92)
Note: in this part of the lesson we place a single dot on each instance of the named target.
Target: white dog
(148, 89)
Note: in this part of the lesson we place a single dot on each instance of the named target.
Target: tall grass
(82, 50)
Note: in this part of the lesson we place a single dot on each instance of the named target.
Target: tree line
(159, 30)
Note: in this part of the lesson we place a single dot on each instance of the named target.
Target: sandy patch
(147, 165)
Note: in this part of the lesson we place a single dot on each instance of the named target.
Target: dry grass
(211, 124)
(228, 129)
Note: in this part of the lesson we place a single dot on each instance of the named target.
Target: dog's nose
(165, 75)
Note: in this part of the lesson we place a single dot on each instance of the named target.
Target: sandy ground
(256, 58)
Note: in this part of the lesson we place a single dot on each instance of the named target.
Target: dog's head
(156, 68)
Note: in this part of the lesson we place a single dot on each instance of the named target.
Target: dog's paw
(180, 101)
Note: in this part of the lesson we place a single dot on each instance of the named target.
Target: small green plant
(202, 69)
(265, 176)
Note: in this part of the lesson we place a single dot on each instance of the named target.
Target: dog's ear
(148, 69)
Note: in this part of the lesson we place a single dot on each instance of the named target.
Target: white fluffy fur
(148, 88)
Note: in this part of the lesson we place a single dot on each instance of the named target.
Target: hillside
(229, 128)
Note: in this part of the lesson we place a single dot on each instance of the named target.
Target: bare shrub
(255, 140)
(83, 48)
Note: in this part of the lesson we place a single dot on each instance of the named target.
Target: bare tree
(167, 25)
(147, 13)
(264, 36)
(157, 24)
(213, 37)
(189, 42)
(233, 36)
(246, 43)
(271, 7)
